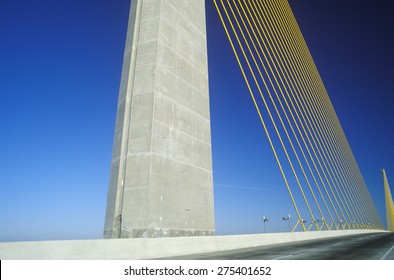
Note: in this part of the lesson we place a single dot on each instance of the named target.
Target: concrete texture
(150, 248)
(161, 171)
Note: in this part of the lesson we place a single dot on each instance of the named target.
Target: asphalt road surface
(374, 246)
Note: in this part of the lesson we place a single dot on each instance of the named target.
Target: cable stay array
(315, 160)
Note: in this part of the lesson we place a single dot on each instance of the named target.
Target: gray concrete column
(161, 171)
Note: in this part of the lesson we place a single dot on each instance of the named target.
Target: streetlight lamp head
(286, 218)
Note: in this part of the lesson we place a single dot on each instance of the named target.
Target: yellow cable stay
(281, 76)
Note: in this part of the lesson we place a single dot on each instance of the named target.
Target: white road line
(292, 255)
(387, 253)
(283, 257)
(338, 244)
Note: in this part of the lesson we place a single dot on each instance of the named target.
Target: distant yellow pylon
(389, 204)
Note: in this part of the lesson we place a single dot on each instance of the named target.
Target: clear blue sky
(60, 66)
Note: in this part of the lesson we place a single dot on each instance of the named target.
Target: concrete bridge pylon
(161, 170)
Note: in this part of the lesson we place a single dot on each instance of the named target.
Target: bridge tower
(389, 203)
(161, 170)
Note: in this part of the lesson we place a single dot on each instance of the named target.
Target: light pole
(287, 218)
(265, 220)
(320, 221)
(340, 222)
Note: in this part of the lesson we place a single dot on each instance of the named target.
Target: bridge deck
(153, 248)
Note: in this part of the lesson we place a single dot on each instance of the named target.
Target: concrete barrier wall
(143, 248)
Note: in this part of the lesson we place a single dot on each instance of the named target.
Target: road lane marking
(387, 253)
(338, 244)
(301, 252)
(283, 257)
(292, 255)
